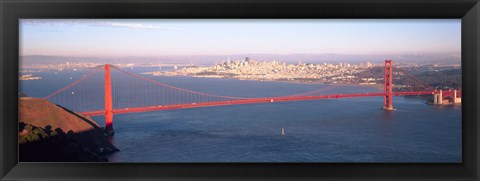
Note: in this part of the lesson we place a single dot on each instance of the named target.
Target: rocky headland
(51, 133)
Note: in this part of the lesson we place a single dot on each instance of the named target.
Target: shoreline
(376, 86)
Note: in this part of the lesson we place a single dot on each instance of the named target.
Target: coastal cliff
(50, 133)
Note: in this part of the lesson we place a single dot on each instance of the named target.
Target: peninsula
(273, 71)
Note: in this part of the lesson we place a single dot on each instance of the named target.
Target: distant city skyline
(129, 37)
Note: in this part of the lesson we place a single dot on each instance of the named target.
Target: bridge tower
(108, 102)
(438, 97)
(388, 85)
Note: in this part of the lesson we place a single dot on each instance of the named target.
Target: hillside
(48, 132)
(41, 113)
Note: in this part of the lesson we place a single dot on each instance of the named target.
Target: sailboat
(283, 131)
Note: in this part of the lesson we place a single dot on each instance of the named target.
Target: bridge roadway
(249, 101)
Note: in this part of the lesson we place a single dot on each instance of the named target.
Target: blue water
(330, 130)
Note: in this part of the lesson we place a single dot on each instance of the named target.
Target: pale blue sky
(111, 37)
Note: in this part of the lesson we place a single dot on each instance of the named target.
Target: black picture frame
(12, 11)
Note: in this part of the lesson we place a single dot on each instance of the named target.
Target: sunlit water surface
(330, 130)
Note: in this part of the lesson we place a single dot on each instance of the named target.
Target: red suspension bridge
(133, 93)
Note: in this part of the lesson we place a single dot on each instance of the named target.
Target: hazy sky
(223, 37)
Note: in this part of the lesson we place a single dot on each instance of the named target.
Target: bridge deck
(249, 101)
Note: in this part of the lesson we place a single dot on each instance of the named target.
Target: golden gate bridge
(140, 94)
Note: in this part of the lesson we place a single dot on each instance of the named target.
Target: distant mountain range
(425, 58)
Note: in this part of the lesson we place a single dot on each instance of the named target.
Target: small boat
(283, 131)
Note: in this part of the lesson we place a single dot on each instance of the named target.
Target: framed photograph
(240, 90)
